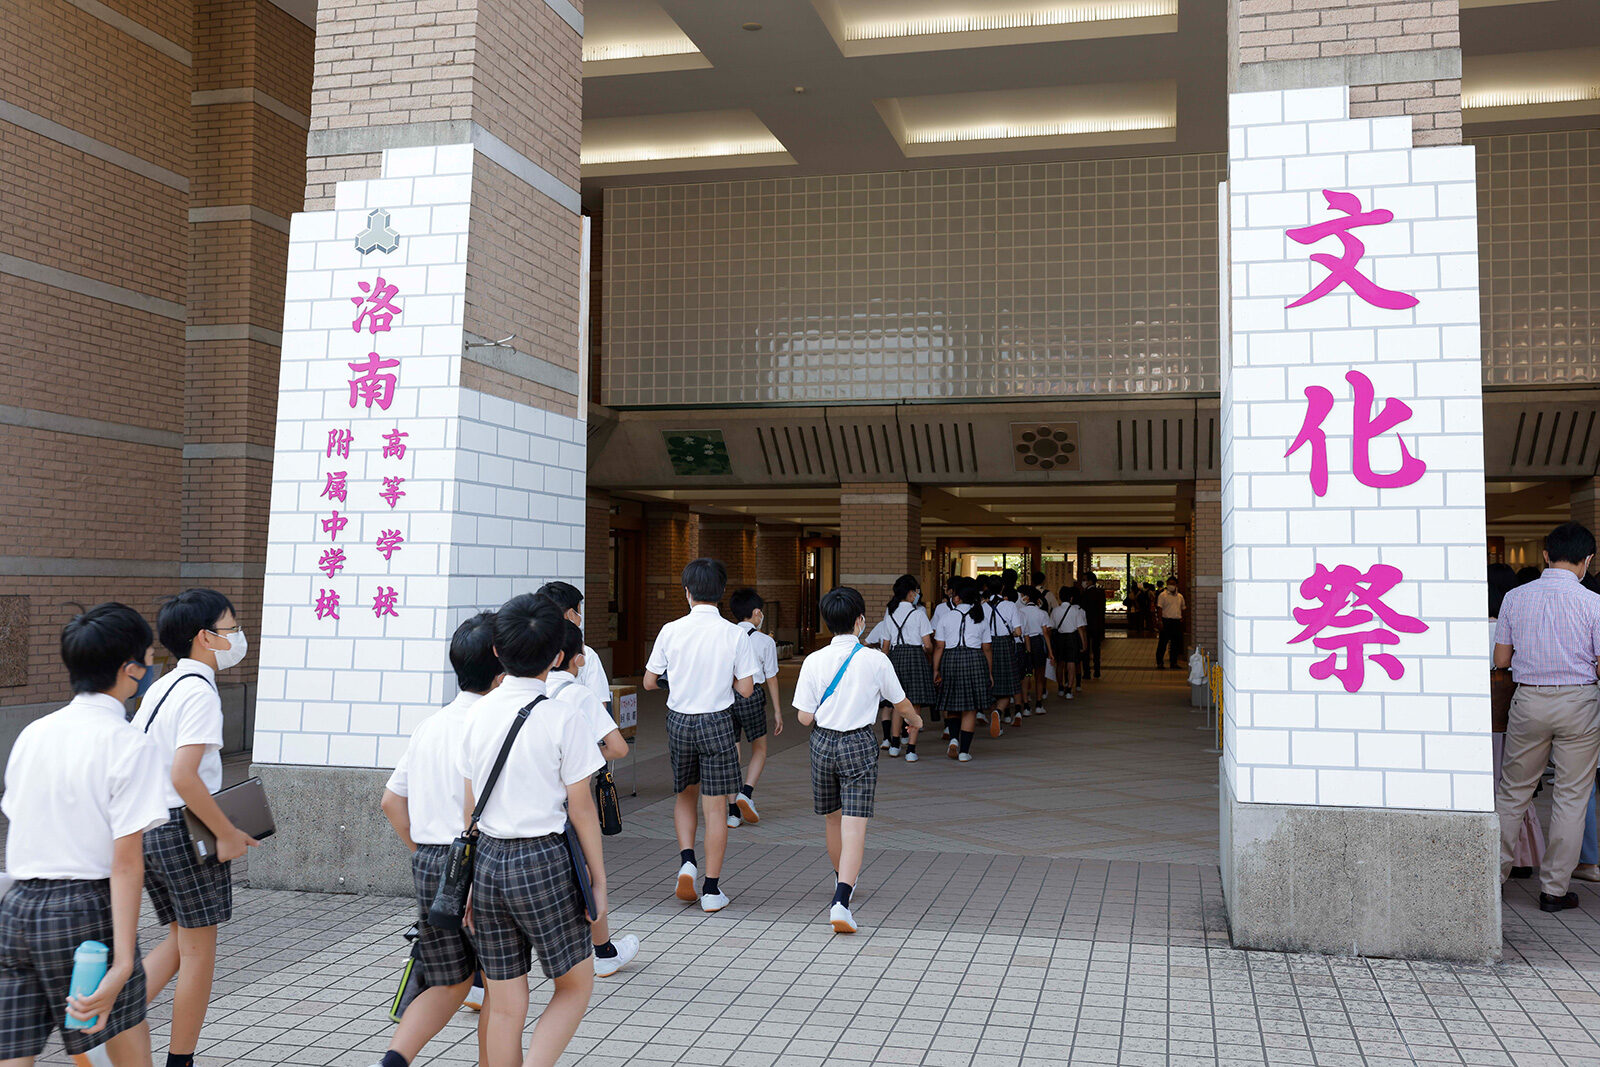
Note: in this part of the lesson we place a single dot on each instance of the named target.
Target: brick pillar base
(778, 579)
(671, 540)
(880, 538)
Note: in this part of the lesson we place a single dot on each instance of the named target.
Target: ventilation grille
(869, 448)
(865, 448)
(939, 447)
(1167, 444)
(794, 451)
(1564, 440)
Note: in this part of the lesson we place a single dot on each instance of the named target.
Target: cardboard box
(625, 709)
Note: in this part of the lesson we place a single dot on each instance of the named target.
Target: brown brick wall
(528, 82)
(734, 543)
(671, 540)
(323, 173)
(249, 155)
(1311, 29)
(778, 576)
(51, 603)
(393, 62)
(1586, 504)
(1206, 557)
(1434, 107)
(597, 570)
(880, 535)
(172, 19)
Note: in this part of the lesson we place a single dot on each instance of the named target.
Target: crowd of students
(96, 802)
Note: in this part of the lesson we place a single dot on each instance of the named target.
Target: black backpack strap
(500, 760)
(900, 627)
(168, 693)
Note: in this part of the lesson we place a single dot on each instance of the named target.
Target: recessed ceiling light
(1066, 15)
(1522, 97)
(799, 88)
(600, 53)
(643, 153)
(752, 26)
(1062, 128)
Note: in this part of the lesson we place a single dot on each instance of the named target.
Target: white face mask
(916, 598)
(234, 653)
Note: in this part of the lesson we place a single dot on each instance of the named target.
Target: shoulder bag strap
(500, 760)
(168, 693)
(836, 678)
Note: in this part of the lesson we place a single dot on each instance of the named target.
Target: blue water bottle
(89, 965)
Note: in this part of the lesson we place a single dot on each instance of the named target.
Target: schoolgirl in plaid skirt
(907, 636)
(961, 666)
(1003, 623)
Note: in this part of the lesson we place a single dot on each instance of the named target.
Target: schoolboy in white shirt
(709, 660)
(566, 684)
(81, 788)
(423, 801)
(182, 717)
(750, 713)
(592, 675)
(523, 901)
(837, 694)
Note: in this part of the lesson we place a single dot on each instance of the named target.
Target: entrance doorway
(1131, 573)
(976, 557)
(627, 602)
(819, 573)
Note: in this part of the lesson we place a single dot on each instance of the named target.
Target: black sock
(607, 951)
(886, 728)
(175, 1060)
(953, 725)
(686, 856)
(841, 893)
(966, 740)
(733, 809)
(709, 887)
(748, 790)
(911, 746)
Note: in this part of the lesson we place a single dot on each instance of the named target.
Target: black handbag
(412, 981)
(450, 900)
(607, 802)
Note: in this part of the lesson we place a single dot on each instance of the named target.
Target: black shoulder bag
(607, 802)
(450, 900)
(151, 721)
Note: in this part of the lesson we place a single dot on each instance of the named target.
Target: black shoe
(1522, 872)
(1550, 903)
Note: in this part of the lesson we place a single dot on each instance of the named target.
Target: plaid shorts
(182, 889)
(916, 675)
(524, 901)
(844, 771)
(966, 680)
(42, 923)
(704, 753)
(447, 956)
(750, 714)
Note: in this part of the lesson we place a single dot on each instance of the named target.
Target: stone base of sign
(332, 837)
(1361, 881)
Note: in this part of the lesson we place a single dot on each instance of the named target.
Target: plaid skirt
(1007, 676)
(911, 666)
(964, 680)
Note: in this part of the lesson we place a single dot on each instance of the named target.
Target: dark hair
(1091, 576)
(182, 617)
(565, 595)
(1172, 579)
(1527, 574)
(841, 607)
(1008, 577)
(950, 583)
(528, 634)
(906, 583)
(1030, 592)
(1061, 594)
(966, 591)
(705, 579)
(472, 653)
(571, 645)
(1571, 542)
(745, 603)
(1038, 577)
(1502, 579)
(96, 644)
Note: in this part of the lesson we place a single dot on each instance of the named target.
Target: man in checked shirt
(1548, 634)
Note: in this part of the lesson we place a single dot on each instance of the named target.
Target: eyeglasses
(234, 629)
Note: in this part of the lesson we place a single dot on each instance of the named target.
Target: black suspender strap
(168, 693)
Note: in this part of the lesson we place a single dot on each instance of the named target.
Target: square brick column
(880, 538)
(1586, 504)
(1205, 561)
(597, 575)
(671, 540)
(442, 188)
(1397, 57)
(778, 578)
(734, 543)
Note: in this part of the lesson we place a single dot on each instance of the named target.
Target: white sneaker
(627, 947)
(894, 750)
(1038, 709)
(101, 1058)
(955, 747)
(884, 743)
(946, 734)
(983, 718)
(734, 822)
(686, 877)
(747, 809)
(965, 757)
(1069, 696)
(474, 999)
(911, 757)
(843, 922)
(713, 902)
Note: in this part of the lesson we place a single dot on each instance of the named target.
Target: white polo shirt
(869, 679)
(957, 630)
(1003, 618)
(1034, 620)
(77, 780)
(941, 609)
(192, 715)
(1069, 619)
(906, 625)
(555, 749)
(427, 775)
(701, 654)
(593, 676)
(561, 685)
(765, 649)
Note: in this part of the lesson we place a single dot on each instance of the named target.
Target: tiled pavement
(990, 935)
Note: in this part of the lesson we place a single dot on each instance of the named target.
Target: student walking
(81, 788)
(182, 717)
(569, 598)
(1036, 633)
(1170, 606)
(709, 660)
(1004, 628)
(424, 800)
(962, 667)
(523, 900)
(1069, 625)
(566, 684)
(1092, 599)
(837, 694)
(750, 713)
(906, 637)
